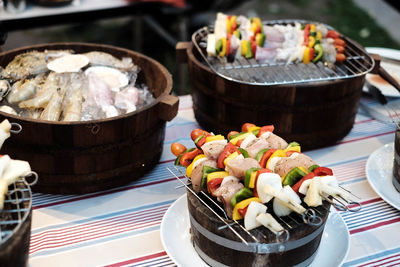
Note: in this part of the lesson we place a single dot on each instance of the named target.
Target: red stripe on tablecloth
(103, 193)
(62, 234)
(364, 121)
(366, 137)
(363, 229)
(380, 260)
(74, 241)
(148, 257)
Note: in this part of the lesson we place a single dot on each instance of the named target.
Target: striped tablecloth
(121, 227)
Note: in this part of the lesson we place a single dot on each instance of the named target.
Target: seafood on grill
(237, 36)
(256, 166)
(60, 85)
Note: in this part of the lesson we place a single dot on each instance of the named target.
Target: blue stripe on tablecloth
(374, 258)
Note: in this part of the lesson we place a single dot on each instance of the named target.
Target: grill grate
(249, 71)
(17, 206)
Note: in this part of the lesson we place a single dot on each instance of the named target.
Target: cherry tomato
(340, 57)
(196, 133)
(340, 42)
(339, 48)
(246, 126)
(232, 133)
(266, 128)
(177, 148)
(332, 34)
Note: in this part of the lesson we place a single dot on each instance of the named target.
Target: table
(121, 226)
(80, 11)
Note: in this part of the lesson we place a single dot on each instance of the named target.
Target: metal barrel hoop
(29, 174)
(282, 236)
(310, 217)
(16, 128)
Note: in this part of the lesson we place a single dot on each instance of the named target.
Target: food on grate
(238, 36)
(259, 178)
(5, 128)
(59, 85)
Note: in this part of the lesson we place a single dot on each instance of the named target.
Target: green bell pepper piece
(240, 195)
(247, 175)
(260, 39)
(205, 171)
(320, 52)
(249, 53)
(293, 144)
(235, 135)
(261, 153)
(177, 160)
(255, 132)
(312, 167)
(197, 140)
(244, 152)
(218, 46)
(293, 176)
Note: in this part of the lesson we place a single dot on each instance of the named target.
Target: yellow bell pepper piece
(319, 36)
(311, 41)
(231, 156)
(228, 25)
(214, 138)
(293, 148)
(241, 205)
(303, 169)
(240, 137)
(312, 28)
(214, 175)
(278, 153)
(243, 46)
(189, 169)
(252, 182)
(306, 55)
(253, 128)
(223, 51)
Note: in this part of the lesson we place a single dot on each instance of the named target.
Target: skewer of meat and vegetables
(238, 36)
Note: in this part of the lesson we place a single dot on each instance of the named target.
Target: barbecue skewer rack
(249, 71)
(312, 216)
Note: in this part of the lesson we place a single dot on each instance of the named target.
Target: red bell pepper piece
(213, 185)
(239, 142)
(253, 47)
(265, 157)
(311, 57)
(297, 185)
(322, 171)
(229, 149)
(243, 211)
(289, 153)
(188, 157)
(203, 140)
(266, 128)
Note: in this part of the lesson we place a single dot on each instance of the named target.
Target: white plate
(175, 237)
(391, 68)
(379, 174)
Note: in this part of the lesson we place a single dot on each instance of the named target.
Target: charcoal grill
(313, 104)
(15, 223)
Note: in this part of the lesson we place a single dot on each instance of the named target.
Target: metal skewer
(205, 204)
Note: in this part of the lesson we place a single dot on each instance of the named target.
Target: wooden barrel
(82, 157)
(314, 114)
(14, 248)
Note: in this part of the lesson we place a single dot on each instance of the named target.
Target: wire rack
(249, 71)
(17, 207)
